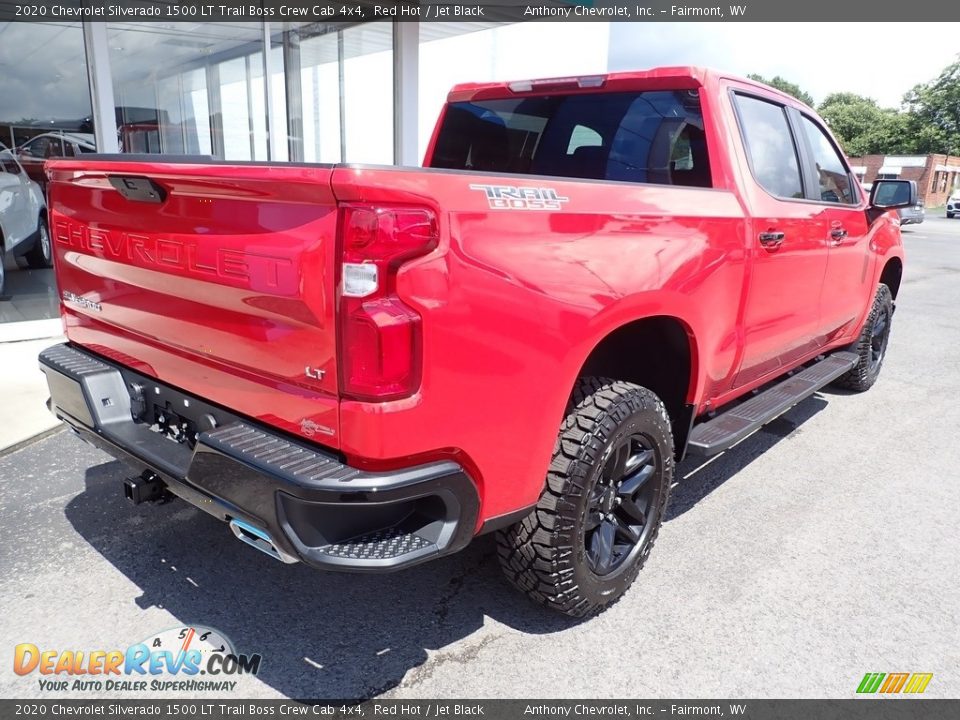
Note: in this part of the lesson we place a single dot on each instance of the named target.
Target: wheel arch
(670, 371)
(892, 274)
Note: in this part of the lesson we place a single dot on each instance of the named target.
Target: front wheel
(41, 255)
(606, 492)
(871, 346)
(949, 216)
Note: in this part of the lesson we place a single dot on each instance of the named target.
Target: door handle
(837, 235)
(771, 240)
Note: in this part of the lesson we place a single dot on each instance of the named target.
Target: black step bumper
(312, 506)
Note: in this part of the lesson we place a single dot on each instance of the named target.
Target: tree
(785, 86)
(934, 108)
(863, 127)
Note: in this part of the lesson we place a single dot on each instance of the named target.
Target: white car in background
(23, 217)
(953, 205)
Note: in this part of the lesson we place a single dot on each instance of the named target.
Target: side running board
(728, 428)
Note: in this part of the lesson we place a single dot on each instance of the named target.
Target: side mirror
(893, 194)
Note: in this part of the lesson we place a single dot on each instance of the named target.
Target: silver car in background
(23, 217)
(912, 215)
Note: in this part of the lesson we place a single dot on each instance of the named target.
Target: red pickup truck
(363, 368)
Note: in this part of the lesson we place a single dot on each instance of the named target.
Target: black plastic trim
(502, 522)
(313, 506)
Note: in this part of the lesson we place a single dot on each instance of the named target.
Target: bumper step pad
(730, 427)
(383, 545)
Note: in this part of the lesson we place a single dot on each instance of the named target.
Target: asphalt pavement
(824, 547)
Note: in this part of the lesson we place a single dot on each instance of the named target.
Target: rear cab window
(641, 137)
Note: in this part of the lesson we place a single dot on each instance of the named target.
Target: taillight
(380, 342)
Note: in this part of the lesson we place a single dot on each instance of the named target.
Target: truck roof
(672, 77)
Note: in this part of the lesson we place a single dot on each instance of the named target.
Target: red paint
(229, 289)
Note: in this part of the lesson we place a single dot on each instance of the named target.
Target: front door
(781, 317)
(846, 293)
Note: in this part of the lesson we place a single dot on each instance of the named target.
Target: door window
(770, 146)
(833, 178)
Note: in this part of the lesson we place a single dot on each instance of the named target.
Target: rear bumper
(910, 216)
(312, 506)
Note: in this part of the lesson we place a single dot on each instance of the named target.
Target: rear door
(845, 293)
(781, 319)
(216, 278)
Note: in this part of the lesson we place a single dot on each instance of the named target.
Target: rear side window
(833, 177)
(770, 146)
(643, 137)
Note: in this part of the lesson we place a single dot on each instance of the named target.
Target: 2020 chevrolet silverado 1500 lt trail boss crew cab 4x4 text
(362, 368)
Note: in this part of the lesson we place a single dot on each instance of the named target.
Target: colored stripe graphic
(912, 683)
(870, 682)
(894, 682)
(918, 682)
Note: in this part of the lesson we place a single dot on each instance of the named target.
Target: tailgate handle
(141, 189)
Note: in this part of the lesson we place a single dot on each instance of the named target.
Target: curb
(42, 435)
(30, 330)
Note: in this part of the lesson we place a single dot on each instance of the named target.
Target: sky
(878, 60)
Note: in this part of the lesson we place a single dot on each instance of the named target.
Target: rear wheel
(41, 255)
(871, 346)
(607, 487)
(3, 270)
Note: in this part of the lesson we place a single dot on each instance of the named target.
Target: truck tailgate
(218, 279)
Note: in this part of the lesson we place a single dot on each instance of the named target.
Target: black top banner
(497, 11)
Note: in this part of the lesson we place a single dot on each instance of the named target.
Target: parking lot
(824, 547)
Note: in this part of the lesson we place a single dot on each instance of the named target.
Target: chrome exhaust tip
(259, 539)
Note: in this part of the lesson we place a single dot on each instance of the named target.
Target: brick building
(937, 176)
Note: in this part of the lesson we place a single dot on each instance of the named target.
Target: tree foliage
(928, 121)
(863, 127)
(785, 86)
(934, 110)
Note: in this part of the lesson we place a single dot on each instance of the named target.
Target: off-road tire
(865, 373)
(544, 555)
(40, 255)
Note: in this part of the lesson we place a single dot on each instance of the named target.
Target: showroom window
(338, 90)
(44, 91)
(187, 88)
(182, 88)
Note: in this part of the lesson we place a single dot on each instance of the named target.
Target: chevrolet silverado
(363, 368)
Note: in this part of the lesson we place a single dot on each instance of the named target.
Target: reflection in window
(368, 92)
(832, 176)
(642, 137)
(337, 85)
(187, 88)
(43, 81)
(770, 147)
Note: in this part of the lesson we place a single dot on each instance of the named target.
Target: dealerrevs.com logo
(183, 659)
